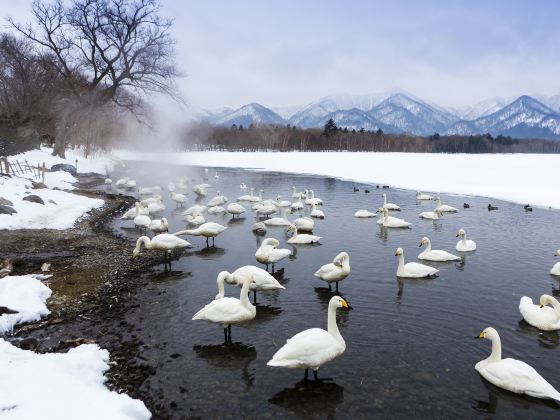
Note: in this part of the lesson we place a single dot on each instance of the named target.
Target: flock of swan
(312, 348)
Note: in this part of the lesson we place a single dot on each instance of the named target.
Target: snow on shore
(520, 178)
(25, 294)
(61, 386)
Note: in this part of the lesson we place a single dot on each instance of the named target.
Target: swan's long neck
(555, 304)
(244, 295)
(428, 246)
(384, 199)
(143, 240)
(496, 354)
(464, 239)
(332, 327)
(400, 268)
(220, 280)
(136, 210)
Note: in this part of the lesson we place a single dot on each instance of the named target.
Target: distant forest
(202, 136)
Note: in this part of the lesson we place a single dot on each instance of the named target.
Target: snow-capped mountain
(250, 114)
(401, 112)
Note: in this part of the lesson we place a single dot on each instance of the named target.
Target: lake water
(410, 343)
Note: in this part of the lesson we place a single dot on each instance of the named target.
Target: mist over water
(410, 347)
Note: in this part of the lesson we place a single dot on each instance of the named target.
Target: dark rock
(64, 167)
(53, 202)
(29, 344)
(34, 199)
(7, 210)
(5, 202)
(6, 310)
(37, 185)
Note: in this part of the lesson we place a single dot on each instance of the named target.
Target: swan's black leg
(337, 287)
(207, 244)
(266, 267)
(315, 375)
(254, 296)
(306, 376)
(225, 335)
(330, 290)
(273, 267)
(229, 332)
(213, 241)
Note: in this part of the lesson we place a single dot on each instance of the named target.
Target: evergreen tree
(330, 127)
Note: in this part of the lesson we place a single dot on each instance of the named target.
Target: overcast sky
(292, 52)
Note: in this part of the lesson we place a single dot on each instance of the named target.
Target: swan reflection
(310, 398)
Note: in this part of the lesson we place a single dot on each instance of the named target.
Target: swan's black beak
(542, 306)
(457, 235)
(420, 244)
(479, 336)
(345, 305)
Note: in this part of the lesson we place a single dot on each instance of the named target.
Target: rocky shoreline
(94, 285)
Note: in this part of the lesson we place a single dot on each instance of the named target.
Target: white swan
(541, 316)
(390, 221)
(195, 219)
(278, 221)
(156, 207)
(430, 254)
(179, 198)
(298, 205)
(131, 213)
(313, 200)
(318, 214)
(336, 271)
(218, 200)
(259, 228)
(159, 225)
(282, 203)
(155, 199)
(164, 242)
(208, 230)
(412, 269)
(130, 184)
(511, 374)
(216, 210)
(216, 176)
(242, 187)
(314, 347)
(421, 196)
(304, 224)
(431, 215)
(464, 244)
(296, 194)
(235, 209)
(149, 190)
(444, 208)
(262, 280)
(269, 253)
(120, 182)
(200, 190)
(171, 186)
(249, 197)
(363, 214)
(555, 270)
(141, 220)
(229, 311)
(389, 206)
(266, 210)
(194, 209)
(301, 238)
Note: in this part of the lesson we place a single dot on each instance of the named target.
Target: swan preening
(261, 280)
(159, 225)
(336, 271)
(164, 241)
(430, 254)
(269, 253)
(314, 347)
(363, 214)
(464, 244)
(511, 374)
(235, 209)
(413, 269)
(228, 311)
(555, 270)
(301, 238)
(304, 224)
(259, 228)
(543, 317)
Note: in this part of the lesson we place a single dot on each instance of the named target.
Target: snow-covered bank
(61, 386)
(25, 294)
(520, 178)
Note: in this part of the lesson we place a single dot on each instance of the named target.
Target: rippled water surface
(410, 343)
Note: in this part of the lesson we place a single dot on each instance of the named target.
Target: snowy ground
(61, 209)
(61, 386)
(520, 178)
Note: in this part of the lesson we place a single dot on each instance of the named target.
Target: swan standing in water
(430, 254)
(208, 230)
(389, 206)
(314, 347)
(464, 244)
(179, 198)
(269, 253)
(336, 271)
(235, 209)
(318, 214)
(431, 215)
(420, 196)
(164, 241)
(200, 190)
(541, 316)
(412, 269)
(511, 374)
(362, 214)
(262, 280)
(195, 219)
(390, 221)
(555, 270)
(159, 225)
(301, 238)
(229, 311)
(444, 208)
(216, 210)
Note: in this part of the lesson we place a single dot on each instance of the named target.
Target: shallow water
(410, 346)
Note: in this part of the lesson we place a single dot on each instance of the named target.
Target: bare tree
(106, 51)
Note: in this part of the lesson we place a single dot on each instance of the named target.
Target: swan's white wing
(168, 241)
(225, 310)
(325, 270)
(542, 318)
(262, 280)
(517, 376)
(418, 269)
(309, 348)
(279, 254)
(439, 255)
